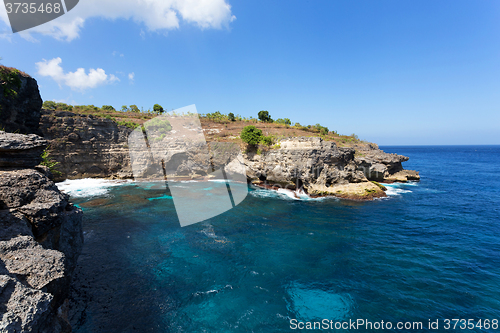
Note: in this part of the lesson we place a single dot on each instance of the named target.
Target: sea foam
(88, 187)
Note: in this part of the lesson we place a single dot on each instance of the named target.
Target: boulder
(18, 150)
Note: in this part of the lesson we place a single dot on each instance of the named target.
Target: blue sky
(393, 72)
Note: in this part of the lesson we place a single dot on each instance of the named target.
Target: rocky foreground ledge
(40, 240)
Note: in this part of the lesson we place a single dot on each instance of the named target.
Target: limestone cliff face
(21, 112)
(322, 168)
(86, 146)
(40, 240)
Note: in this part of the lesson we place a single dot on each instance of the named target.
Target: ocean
(427, 254)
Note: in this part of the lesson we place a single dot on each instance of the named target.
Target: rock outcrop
(40, 240)
(86, 146)
(322, 168)
(20, 103)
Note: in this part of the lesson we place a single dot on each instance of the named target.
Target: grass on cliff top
(221, 129)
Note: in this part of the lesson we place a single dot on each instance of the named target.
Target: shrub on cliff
(108, 108)
(134, 108)
(285, 121)
(157, 108)
(231, 117)
(49, 162)
(251, 135)
(10, 81)
(265, 116)
(158, 126)
(49, 105)
(267, 140)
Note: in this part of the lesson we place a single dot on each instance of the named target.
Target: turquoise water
(428, 252)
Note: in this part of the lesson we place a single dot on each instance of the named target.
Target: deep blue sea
(430, 251)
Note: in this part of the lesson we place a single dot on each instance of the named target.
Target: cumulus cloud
(131, 77)
(155, 15)
(78, 80)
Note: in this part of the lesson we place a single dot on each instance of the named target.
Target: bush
(251, 135)
(230, 116)
(134, 108)
(129, 124)
(217, 117)
(267, 140)
(158, 126)
(125, 108)
(64, 107)
(10, 81)
(50, 105)
(265, 116)
(49, 162)
(157, 108)
(108, 108)
(285, 121)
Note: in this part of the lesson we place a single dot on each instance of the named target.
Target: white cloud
(155, 15)
(78, 80)
(131, 77)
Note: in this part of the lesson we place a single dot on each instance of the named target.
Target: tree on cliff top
(251, 135)
(158, 108)
(134, 108)
(265, 116)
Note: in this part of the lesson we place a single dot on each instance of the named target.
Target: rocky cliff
(40, 240)
(20, 102)
(321, 168)
(87, 146)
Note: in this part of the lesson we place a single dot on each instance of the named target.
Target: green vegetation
(49, 162)
(108, 108)
(231, 117)
(267, 140)
(51, 105)
(10, 81)
(85, 108)
(251, 135)
(285, 121)
(382, 187)
(157, 108)
(218, 117)
(158, 125)
(129, 124)
(265, 116)
(134, 108)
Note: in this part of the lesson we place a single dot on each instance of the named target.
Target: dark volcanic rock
(18, 150)
(40, 240)
(21, 112)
